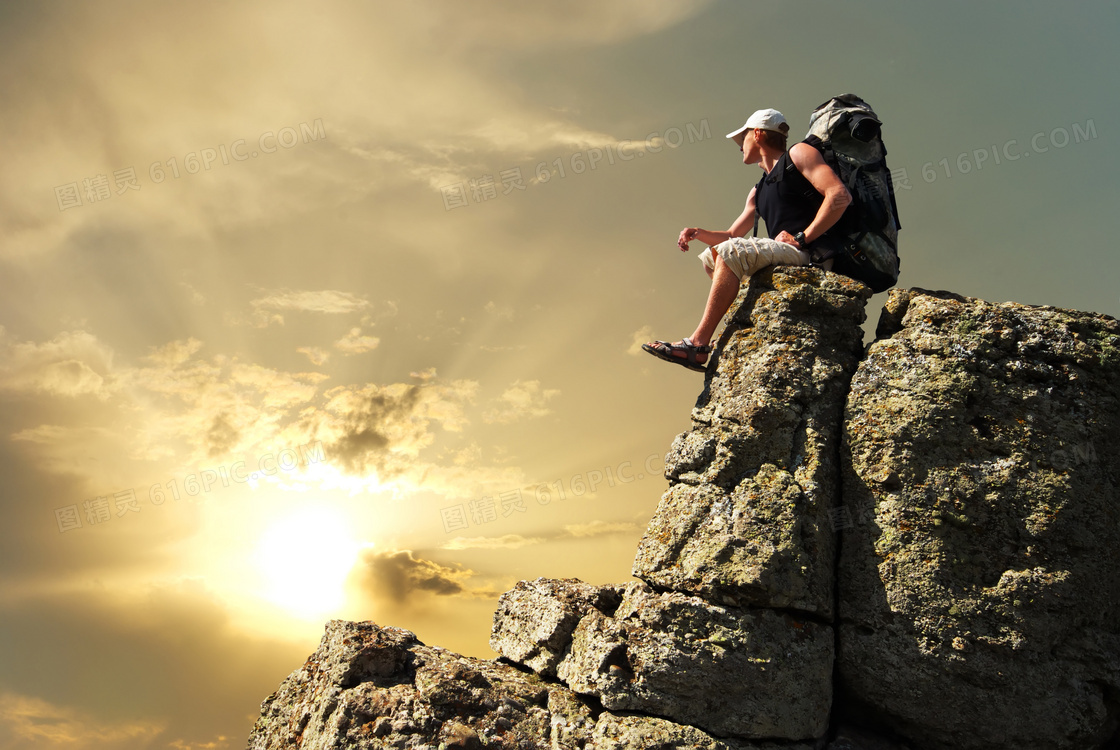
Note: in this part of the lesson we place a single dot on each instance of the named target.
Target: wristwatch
(799, 238)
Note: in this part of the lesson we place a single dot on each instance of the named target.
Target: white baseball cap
(763, 119)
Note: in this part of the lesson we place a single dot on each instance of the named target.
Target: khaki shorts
(748, 255)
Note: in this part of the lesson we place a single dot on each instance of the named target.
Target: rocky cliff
(916, 545)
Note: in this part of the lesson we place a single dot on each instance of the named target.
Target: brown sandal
(664, 350)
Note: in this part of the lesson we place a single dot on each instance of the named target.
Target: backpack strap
(777, 175)
(756, 187)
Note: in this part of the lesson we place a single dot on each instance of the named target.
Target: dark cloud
(397, 576)
(367, 423)
(381, 430)
(222, 437)
(361, 449)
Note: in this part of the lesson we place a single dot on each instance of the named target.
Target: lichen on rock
(980, 574)
(747, 519)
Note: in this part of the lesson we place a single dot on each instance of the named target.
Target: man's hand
(687, 235)
(787, 238)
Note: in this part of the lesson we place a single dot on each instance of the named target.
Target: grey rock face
(648, 733)
(746, 520)
(369, 688)
(751, 673)
(980, 568)
(534, 621)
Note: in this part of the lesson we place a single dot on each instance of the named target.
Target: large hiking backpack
(849, 136)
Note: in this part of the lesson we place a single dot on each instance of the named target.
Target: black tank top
(788, 202)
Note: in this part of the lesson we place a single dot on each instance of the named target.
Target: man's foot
(684, 353)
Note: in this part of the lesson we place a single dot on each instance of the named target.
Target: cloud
(218, 406)
(276, 388)
(172, 398)
(506, 541)
(521, 401)
(516, 541)
(73, 363)
(641, 336)
(196, 297)
(355, 343)
(397, 577)
(223, 406)
(535, 26)
(324, 301)
(268, 309)
(174, 353)
(499, 311)
(177, 404)
(29, 723)
(468, 455)
(448, 89)
(221, 742)
(315, 354)
(68, 450)
(598, 528)
(383, 429)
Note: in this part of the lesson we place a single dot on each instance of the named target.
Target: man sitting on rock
(799, 197)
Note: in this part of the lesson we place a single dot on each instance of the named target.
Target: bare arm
(739, 227)
(811, 164)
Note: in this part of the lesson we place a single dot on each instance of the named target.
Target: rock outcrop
(733, 672)
(372, 687)
(534, 622)
(912, 547)
(981, 541)
(747, 518)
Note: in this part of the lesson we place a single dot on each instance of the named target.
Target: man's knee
(707, 259)
(722, 265)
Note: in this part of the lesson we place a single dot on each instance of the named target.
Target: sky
(334, 310)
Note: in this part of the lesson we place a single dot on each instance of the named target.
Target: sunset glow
(304, 559)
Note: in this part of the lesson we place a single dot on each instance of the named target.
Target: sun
(305, 558)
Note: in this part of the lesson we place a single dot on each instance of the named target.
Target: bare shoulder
(803, 155)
